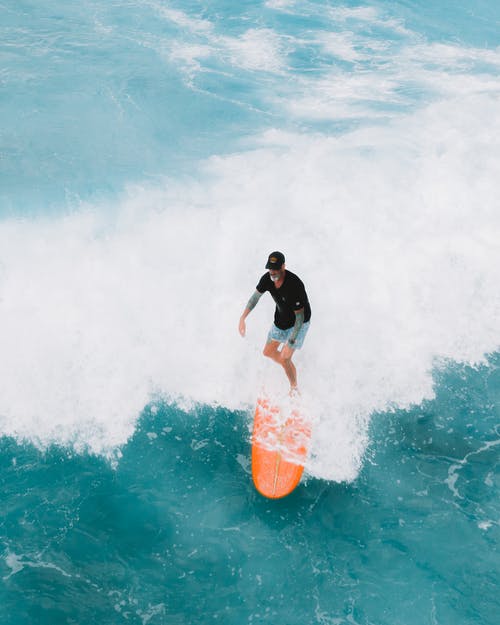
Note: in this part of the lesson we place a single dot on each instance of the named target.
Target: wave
(394, 231)
(391, 220)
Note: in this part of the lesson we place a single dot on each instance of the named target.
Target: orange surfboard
(279, 449)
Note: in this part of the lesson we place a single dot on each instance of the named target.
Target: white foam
(382, 76)
(182, 19)
(387, 77)
(190, 55)
(256, 49)
(364, 14)
(394, 231)
(17, 563)
(343, 45)
(279, 4)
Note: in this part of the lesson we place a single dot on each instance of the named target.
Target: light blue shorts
(275, 334)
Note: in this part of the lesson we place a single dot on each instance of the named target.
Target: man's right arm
(252, 302)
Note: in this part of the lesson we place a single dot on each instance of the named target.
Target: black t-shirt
(291, 296)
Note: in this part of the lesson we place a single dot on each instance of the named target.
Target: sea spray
(394, 236)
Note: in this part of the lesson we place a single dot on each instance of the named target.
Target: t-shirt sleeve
(299, 296)
(263, 285)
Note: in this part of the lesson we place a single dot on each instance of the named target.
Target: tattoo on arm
(253, 300)
(299, 321)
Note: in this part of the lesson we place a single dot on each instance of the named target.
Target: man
(291, 317)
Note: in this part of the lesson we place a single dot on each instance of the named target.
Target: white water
(395, 232)
(394, 229)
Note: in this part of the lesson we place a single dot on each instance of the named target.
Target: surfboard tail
(280, 443)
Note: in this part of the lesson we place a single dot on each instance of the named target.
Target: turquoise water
(177, 534)
(151, 155)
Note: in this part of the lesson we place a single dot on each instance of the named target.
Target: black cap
(275, 260)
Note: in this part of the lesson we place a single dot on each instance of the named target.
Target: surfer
(291, 317)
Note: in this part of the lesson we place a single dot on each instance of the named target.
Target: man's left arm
(299, 321)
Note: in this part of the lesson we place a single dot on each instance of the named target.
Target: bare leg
(288, 366)
(283, 358)
(271, 351)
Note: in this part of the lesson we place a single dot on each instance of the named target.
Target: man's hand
(250, 306)
(242, 327)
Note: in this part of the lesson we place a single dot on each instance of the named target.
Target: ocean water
(152, 153)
